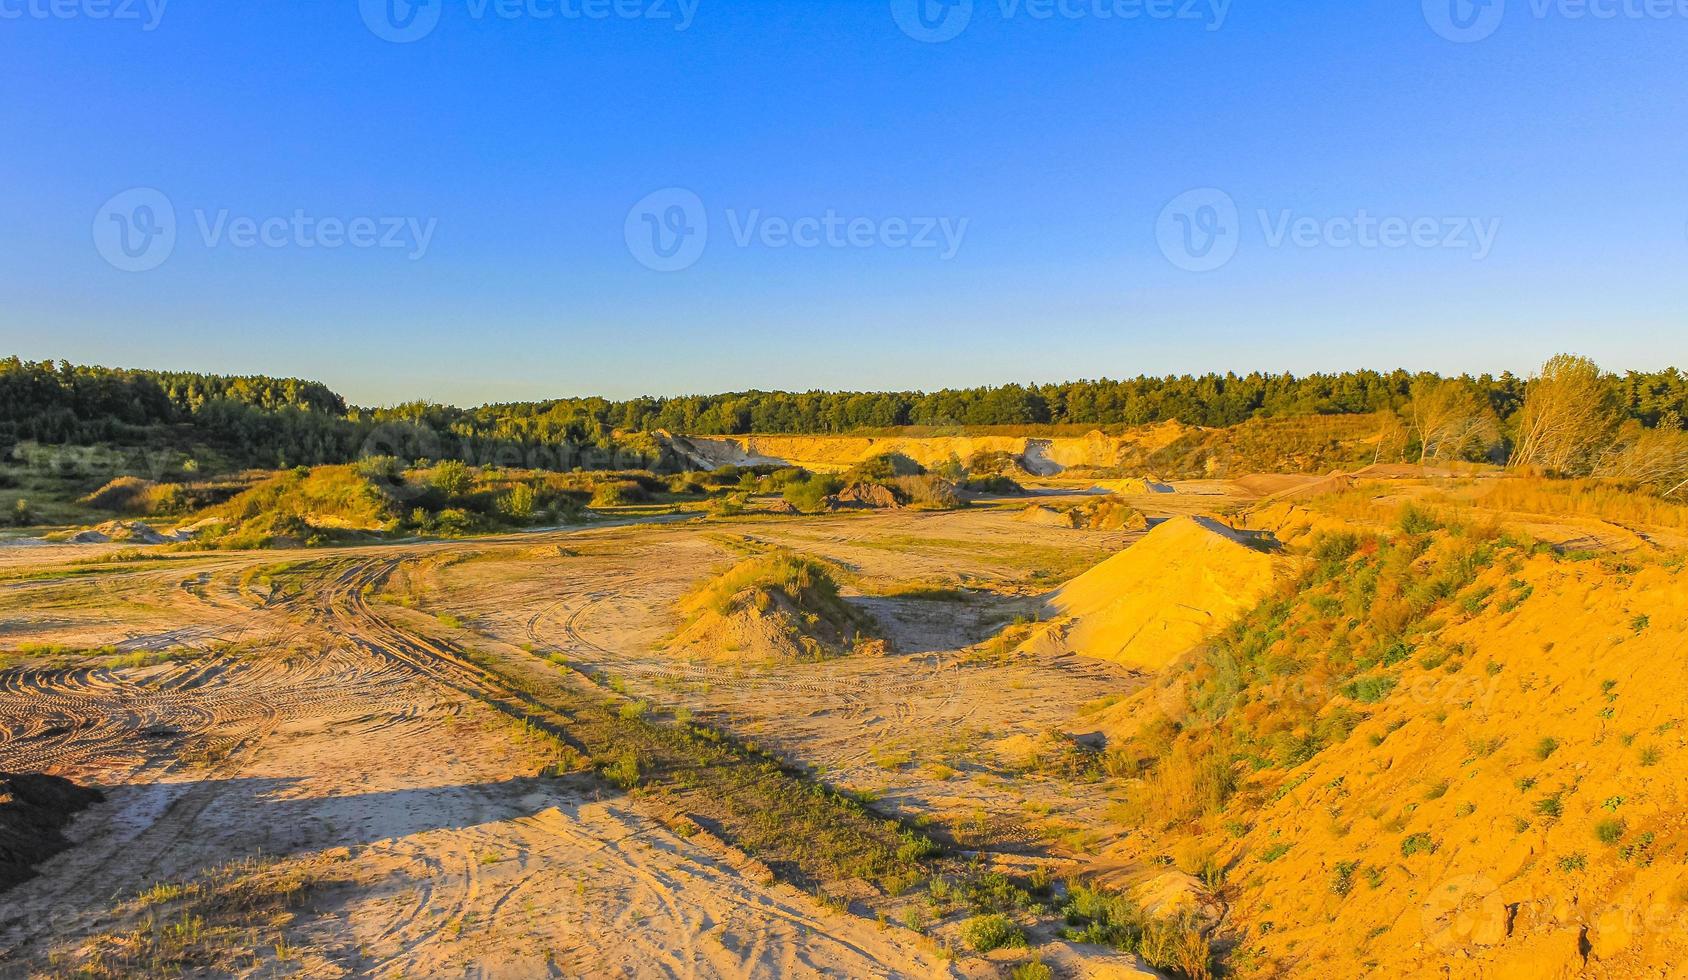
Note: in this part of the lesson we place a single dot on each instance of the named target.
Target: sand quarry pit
(498, 756)
(326, 763)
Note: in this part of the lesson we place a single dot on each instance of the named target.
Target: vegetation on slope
(383, 496)
(1413, 720)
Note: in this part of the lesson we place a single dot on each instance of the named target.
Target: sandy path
(344, 736)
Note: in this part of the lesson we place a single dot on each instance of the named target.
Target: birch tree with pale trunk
(1450, 421)
(1569, 418)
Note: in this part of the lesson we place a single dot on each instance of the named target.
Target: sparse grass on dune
(231, 918)
(1602, 499)
(1487, 507)
(808, 583)
(772, 607)
(808, 833)
(1389, 708)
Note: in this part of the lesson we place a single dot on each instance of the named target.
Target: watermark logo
(1464, 21)
(1202, 230)
(668, 230)
(136, 230)
(148, 13)
(1469, 21)
(408, 21)
(1467, 910)
(401, 21)
(937, 21)
(1199, 230)
(932, 21)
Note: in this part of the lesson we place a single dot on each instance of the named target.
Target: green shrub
(451, 478)
(1035, 970)
(994, 485)
(807, 494)
(381, 469)
(1342, 877)
(619, 493)
(518, 502)
(987, 932)
(1415, 520)
(1420, 843)
(1610, 832)
(1370, 689)
(1334, 547)
(624, 770)
(883, 468)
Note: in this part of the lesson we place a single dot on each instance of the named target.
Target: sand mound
(1107, 514)
(865, 496)
(1271, 484)
(1189, 578)
(766, 625)
(1045, 516)
(1294, 524)
(772, 608)
(34, 810)
(133, 532)
(1139, 486)
(125, 494)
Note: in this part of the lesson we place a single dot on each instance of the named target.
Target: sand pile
(34, 810)
(772, 608)
(865, 496)
(1189, 578)
(1106, 514)
(1141, 486)
(133, 532)
(1295, 525)
(1045, 516)
(125, 494)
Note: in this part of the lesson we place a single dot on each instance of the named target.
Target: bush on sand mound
(1106, 514)
(774, 607)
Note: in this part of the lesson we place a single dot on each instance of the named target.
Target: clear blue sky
(523, 142)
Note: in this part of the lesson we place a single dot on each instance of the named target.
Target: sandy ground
(282, 715)
(324, 731)
(283, 705)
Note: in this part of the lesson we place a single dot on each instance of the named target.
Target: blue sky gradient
(524, 141)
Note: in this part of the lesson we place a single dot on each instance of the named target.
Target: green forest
(283, 422)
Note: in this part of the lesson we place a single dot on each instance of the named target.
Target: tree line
(278, 422)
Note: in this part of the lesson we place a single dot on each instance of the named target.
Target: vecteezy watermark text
(669, 230)
(1470, 21)
(936, 21)
(1203, 229)
(832, 230)
(148, 13)
(138, 231)
(404, 21)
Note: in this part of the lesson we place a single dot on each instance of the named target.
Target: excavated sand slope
(1577, 697)
(1188, 579)
(1044, 457)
